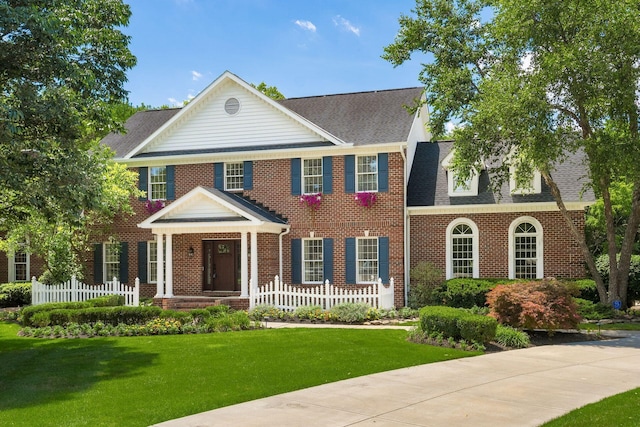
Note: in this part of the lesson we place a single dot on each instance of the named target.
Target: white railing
(73, 290)
(287, 297)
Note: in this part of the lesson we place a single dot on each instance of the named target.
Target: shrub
(107, 315)
(457, 323)
(107, 301)
(633, 293)
(545, 304)
(15, 294)
(425, 278)
(28, 312)
(218, 310)
(588, 290)
(594, 311)
(464, 293)
(264, 311)
(199, 314)
(310, 312)
(511, 337)
(350, 312)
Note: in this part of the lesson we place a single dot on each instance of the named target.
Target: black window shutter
(383, 172)
(350, 174)
(97, 263)
(296, 176)
(247, 177)
(142, 262)
(350, 257)
(218, 179)
(124, 262)
(143, 183)
(296, 261)
(327, 259)
(383, 259)
(327, 175)
(171, 186)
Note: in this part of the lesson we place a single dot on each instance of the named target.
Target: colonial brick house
(241, 188)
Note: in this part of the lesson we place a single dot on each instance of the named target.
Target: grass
(620, 410)
(611, 326)
(137, 381)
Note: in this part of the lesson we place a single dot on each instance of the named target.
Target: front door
(220, 272)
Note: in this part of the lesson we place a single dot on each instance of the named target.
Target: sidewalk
(512, 388)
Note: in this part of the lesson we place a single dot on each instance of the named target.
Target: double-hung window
(312, 176)
(234, 176)
(312, 265)
(367, 173)
(111, 261)
(525, 249)
(367, 260)
(158, 183)
(19, 266)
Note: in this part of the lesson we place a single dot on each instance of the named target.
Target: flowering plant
(154, 206)
(366, 198)
(311, 200)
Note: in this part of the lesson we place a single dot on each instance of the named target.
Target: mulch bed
(539, 338)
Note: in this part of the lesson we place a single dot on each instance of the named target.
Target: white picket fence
(73, 290)
(287, 297)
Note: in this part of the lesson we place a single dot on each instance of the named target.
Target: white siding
(208, 126)
(201, 207)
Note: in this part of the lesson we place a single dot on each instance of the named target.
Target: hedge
(107, 315)
(15, 294)
(457, 323)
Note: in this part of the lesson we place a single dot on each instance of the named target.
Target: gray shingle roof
(359, 118)
(428, 182)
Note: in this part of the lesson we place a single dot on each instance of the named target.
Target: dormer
(532, 186)
(458, 187)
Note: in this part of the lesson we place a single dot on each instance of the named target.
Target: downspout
(285, 232)
(406, 257)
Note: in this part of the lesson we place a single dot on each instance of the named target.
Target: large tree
(542, 79)
(62, 71)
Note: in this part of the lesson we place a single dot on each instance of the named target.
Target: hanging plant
(311, 200)
(366, 198)
(154, 206)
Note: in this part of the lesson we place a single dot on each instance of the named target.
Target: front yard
(137, 381)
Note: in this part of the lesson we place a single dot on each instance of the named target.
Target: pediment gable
(230, 113)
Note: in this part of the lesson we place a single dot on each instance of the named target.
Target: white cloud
(174, 102)
(306, 25)
(449, 127)
(339, 21)
(526, 63)
(196, 75)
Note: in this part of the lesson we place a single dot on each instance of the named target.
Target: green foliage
(107, 301)
(271, 91)
(590, 310)
(425, 279)
(512, 337)
(349, 312)
(457, 324)
(15, 294)
(545, 304)
(265, 312)
(588, 290)
(310, 312)
(633, 293)
(465, 293)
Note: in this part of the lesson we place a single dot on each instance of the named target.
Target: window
(152, 262)
(312, 264)
(367, 173)
(531, 187)
(19, 266)
(525, 249)
(312, 176)
(456, 185)
(111, 261)
(367, 260)
(158, 183)
(234, 176)
(462, 249)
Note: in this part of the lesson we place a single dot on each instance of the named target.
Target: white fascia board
(495, 208)
(217, 82)
(275, 154)
(217, 227)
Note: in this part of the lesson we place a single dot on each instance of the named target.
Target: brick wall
(562, 257)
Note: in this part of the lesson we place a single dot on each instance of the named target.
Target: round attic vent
(232, 106)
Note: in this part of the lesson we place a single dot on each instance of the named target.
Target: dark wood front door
(220, 272)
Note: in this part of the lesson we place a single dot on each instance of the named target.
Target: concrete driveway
(513, 388)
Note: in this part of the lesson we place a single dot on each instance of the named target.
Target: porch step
(189, 303)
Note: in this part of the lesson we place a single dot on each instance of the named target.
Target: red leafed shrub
(546, 304)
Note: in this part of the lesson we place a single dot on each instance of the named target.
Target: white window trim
(12, 267)
(304, 177)
(449, 247)
(451, 178)
(304, 261)
(225, 176)
(149, 252)
(377, 275)
(106, 279)
(535, 186)
(149, 190)
(358, 174)
(539, 246)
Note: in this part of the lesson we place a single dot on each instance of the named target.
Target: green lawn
(137, 381)
(620, 410)
(611, 326)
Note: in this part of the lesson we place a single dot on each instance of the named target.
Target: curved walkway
(512, 388)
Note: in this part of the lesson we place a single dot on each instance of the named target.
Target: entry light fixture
(191, 251)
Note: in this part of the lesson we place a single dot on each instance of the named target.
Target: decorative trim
(495, 208)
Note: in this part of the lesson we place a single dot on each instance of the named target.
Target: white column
(169, 262)
(244, 266)
(160, 263)
(254, 258)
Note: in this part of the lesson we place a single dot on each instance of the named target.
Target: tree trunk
(588, 257)
(624, 264)
(612, 249)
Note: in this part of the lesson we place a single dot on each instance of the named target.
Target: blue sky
(303, 47)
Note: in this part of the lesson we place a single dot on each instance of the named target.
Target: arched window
(462, 249)
(525, 249)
